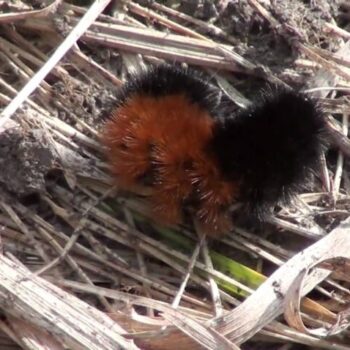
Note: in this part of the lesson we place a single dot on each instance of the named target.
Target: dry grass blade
(90, 16)
(292, 300)
(189, 271)
(270, 298)
(30, 337)
(335, 29)
(27, 296)
(205, 336)
(207, 27)
(155, 43)
(20, 16)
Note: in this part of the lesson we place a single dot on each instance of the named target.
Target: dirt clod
(25, 159)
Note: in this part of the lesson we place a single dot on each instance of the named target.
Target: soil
(255, 39)
(25, 160)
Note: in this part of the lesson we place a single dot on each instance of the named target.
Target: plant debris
(83, 264)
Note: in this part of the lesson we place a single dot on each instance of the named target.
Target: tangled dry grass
(83, 265)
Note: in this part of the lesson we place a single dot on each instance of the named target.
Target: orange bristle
(165, 138)
(216, 195)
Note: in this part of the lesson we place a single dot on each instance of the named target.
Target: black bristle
(163, 80)
(271, 148)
